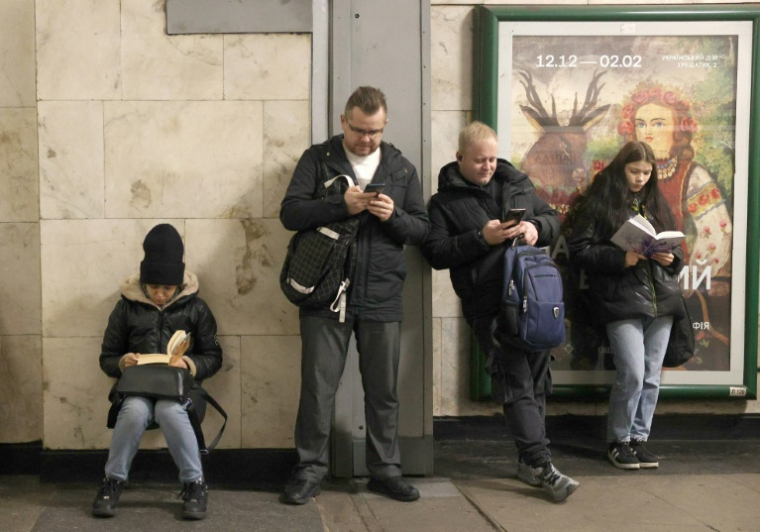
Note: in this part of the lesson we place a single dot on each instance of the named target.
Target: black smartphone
(514, 214)
(375, 187)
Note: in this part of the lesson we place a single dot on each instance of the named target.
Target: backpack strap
(196, 424)
(340, 302)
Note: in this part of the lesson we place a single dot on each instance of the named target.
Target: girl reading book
(634, 297)
(156, 303)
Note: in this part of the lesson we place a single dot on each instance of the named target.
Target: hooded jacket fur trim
(137, 325)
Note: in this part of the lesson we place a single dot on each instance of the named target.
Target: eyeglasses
(371, 133)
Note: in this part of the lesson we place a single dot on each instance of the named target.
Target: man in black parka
(467, 235)
(374, 311)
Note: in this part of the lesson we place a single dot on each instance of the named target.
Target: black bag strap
(196, 424)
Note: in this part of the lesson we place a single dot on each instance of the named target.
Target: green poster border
(485, 101)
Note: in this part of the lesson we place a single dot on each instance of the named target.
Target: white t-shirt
(364, 166)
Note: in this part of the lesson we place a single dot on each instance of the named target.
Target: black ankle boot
(195, 495)
(107, 498)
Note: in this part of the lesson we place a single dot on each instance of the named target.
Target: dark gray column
(387, 45)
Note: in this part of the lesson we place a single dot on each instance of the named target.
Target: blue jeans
(136, 414)
(638, 348)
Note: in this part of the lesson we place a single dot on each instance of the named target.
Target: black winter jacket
(459, 211)
(375, 290)
(619, 293)
(137, 325)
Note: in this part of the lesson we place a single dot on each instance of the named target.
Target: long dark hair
(608, 199)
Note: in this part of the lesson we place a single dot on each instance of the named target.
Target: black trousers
(324, 344)
(520, 380)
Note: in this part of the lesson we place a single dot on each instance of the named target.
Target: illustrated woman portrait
(663, 119)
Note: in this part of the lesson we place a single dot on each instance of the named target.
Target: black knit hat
(163, 257)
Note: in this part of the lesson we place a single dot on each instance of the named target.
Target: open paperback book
(177, 346)
(638, 235)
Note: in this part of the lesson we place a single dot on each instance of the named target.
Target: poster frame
(485, 109)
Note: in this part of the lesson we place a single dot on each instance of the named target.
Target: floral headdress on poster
(685, 125)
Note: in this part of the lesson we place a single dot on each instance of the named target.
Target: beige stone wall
(452, 73)
(20, 292)
(123, 127)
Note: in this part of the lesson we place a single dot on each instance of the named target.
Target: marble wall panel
(83, 263)
(641, 2)
(271, 376)
(183, 159)
(71, 165)
(225, 387)
(437, 366)
(446, 303)
(451, 33)
(17, 57)
(20, 310)
(157, 66)
(455, 372)
(287, 130)
(455, 367)
(76, 397)
(543, 2)
(238, 263)
(75, 394)
(78, 49)
(19, 183)
(446, 126)
(267, 66)
(21, 392)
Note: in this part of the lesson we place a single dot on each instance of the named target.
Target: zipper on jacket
(651, 286)
(160, 328)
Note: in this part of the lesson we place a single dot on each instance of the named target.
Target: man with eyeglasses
(387, 198)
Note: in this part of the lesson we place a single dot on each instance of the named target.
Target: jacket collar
(451, 178)
(131, 289)
(334, 155)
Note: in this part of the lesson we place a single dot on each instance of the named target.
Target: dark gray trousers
(324, 347)
(520, 381)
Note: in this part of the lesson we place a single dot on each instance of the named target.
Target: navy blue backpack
(532, 301)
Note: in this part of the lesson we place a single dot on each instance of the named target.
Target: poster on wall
(570, 93)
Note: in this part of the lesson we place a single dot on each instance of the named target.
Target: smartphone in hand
(515, 215)
(375, 187)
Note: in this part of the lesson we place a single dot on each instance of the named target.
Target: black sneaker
(622, 456)
(646, 459)
(195, 495)
(559, 486)
(107, 498)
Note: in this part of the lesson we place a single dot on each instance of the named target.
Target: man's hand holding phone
(356, 200)
(495, 232)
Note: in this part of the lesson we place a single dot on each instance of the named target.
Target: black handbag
(154, 380)
(681, 344)
(320, 262)
(166, 382)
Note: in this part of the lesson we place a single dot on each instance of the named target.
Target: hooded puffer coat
(459, 211)
(137, 325)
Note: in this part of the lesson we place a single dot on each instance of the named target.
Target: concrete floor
(700, 486)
